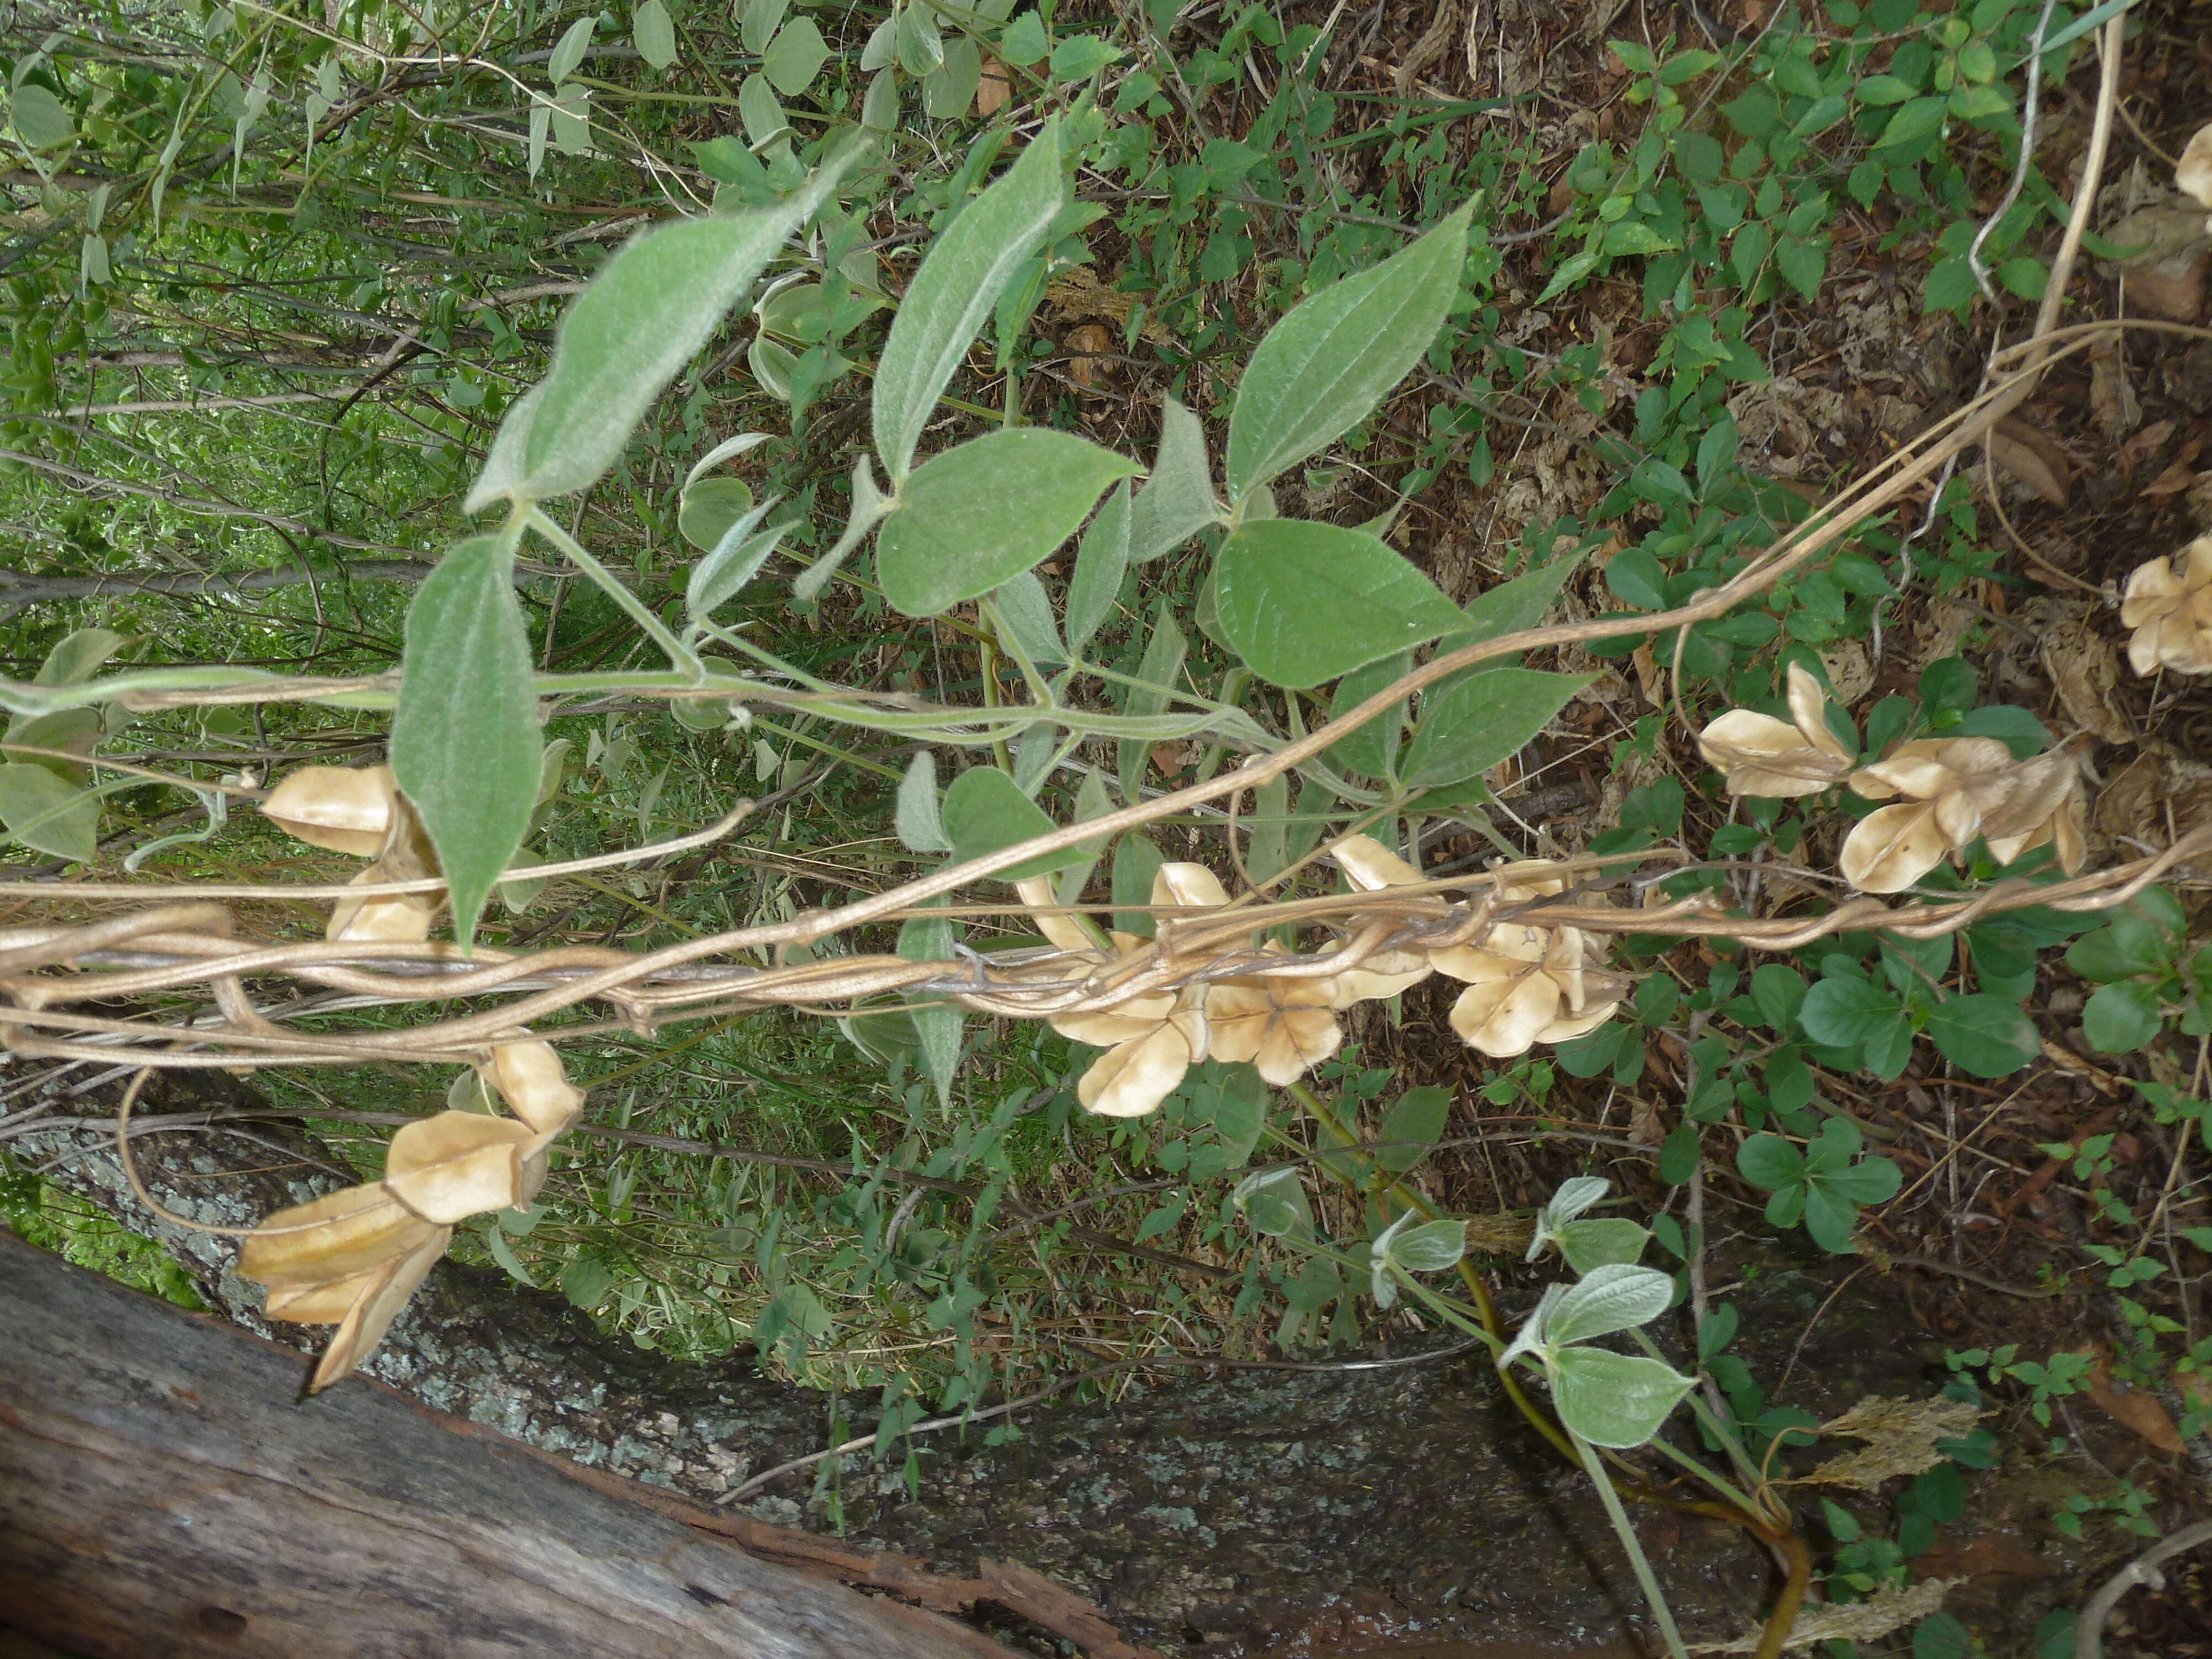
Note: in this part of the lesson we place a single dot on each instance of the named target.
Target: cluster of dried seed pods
(1948, 791)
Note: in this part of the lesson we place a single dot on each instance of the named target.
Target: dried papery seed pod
(1283, 1025)
(375, 1308)
(1778, 759)
(1894, 847)
(1063, 931)
(530, 1079)
(2169, 605)
(1525, 986)
(1134, 1076)
(2192, 176)
(338, 1236)
(457, 1164)
(2036, 800)
(1371, 867)
(405, 854)
(347, 808)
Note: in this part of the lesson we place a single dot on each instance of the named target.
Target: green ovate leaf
(1483, 720)
(1430, 1247)
(77, 657)
(985, 811)
(955, 290)
(653, 33)
(986, 511)
(1615, 1400)
(645, 315)
(937, 1023)
(2122, 1016)
(48, 814)
(710, 507)
(1611, 1297)
(1414, 1124)
(465, 740)
(1510, 607)
(1983, 1035)
(1100, 563)
(1602, 1241)
(1325, 366)
(1177, 501)
(1370, 749)
(1305, 603)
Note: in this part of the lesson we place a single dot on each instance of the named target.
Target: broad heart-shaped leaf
(48, 815)
(1304, 602)
(955, 290)
(1101, 561)
(645, 315)
(1481, 720)
(1983, 1035)
(986, 511)
(465, 745)
(1325, 366)
(1614, 1399)
(985, 810)
(1771, 1162)
(1608, 1298)
(1177, 501)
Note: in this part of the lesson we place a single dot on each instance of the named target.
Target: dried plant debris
(1887, 1609)
(1902, 1437)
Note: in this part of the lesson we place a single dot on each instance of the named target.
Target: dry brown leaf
(1087, 345)
(1887, 1609)
(1077, 295)
(2113, 400)
(2085, 671)
(1901, 1436)
(2032, 457)
(992, 88)
(2133, 1409)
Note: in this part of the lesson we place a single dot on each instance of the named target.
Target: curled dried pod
(2192, 174)
(1778, 759)
(1286, 1026)
(457, 1164)
(347, 808)
(530, 1078)
(2169, 605)
(405, 854)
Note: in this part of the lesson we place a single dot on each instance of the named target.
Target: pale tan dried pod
(1133, 1078)
(2168, 603)
(457, 1164)
(1063, 930)
(1526, 986)
(405, 855)
(1944, 781)
(1191, 886)
(2032, 802)
(1777, 759)
(2193, 174)
(530, 1079)
(347, 808)
(1284, 1026)
(371, 1316)
(336, 1236)
(1371, 867)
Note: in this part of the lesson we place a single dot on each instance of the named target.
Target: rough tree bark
(164, 1491)
(1210, 1513)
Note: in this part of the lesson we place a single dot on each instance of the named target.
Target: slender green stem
(638, 611)
(1616, 1513)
